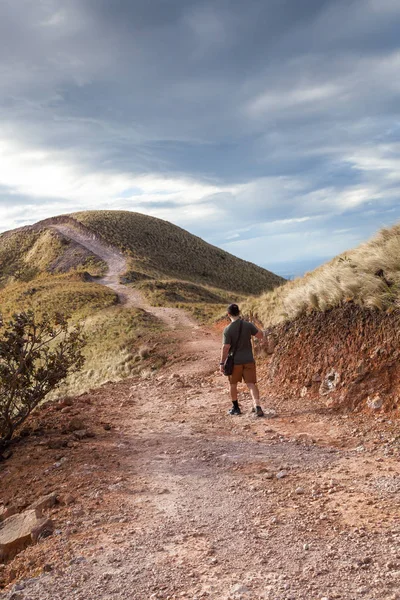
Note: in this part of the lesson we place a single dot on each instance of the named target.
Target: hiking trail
(117, 266)
(170, 498)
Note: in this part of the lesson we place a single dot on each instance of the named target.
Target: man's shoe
(234, 411)
(259, 411)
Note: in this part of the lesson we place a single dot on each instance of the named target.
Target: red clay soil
(167, 497)
(340, 358)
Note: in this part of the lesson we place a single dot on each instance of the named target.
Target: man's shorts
(247, 372)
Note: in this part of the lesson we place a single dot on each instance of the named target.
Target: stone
(21, 530)
(57, 444)
(240, 589)
(7, 511)
(43, 529)
(281, 474)
(75, 424)
(329, 383)
(44, 502)
(68, 499)
(375, 403)
(66, 402)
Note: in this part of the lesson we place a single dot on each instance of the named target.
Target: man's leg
(235, 410)
(251, 378)
(255, 394)
(234, 393)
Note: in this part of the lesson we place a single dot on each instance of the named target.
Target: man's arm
(259, 335)
(224, 355)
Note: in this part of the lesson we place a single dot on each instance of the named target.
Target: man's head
(233, 310)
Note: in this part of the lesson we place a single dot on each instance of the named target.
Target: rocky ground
(166, 496)
(153, 491)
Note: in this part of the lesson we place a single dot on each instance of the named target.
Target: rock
(239, 588)
(303, 391)
(68, 499)
(6, 454)
(19, 531)
(375, 403)
(75, 424)
(80, 434)
(65, 402)
(281, 474)
(42, 530)
(57, 444)
(44, 502)
(299, 490)
(7, 511)
(329, 383)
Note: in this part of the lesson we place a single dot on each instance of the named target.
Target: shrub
(36, 354)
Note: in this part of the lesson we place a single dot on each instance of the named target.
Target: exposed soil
(347, 357)
(117, 266)
(172, 498)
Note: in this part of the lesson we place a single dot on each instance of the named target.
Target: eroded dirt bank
(171, 498)
(347, 357)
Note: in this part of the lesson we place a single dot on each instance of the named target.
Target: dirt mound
(347, 357)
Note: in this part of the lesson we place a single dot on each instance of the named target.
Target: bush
(36, 354)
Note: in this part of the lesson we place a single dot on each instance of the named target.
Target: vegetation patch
(68, 294)
(121, 342)
(28, 252)
(368, 276)
(162, 250)
(204, 303)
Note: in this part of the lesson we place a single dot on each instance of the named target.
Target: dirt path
(175, 499)
(170, 498)
(117, 266)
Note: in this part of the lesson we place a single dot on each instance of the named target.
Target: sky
(270, 128)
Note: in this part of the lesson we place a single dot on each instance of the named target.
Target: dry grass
(369, 276)
(68, 294)
(28, 252)
(161, 250)
(205, 303)
(121, 343)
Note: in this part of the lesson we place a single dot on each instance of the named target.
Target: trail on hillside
(117, 266)
(174, 499)
(167, 497)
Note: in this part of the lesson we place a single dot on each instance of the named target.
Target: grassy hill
(43, 270)
(368, 276)
(160, 249)
(28, 252)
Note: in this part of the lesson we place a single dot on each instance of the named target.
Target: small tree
(36, 354)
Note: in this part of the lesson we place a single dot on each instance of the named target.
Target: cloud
(269, 120)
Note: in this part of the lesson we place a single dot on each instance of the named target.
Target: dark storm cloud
(289, 107)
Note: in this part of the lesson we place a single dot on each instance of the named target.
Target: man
(244, 365)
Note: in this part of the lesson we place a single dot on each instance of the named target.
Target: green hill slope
(44, 270)
(368, 276)
(160, 249)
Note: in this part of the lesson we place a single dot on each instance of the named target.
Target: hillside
(334, 334)
(162, 250)
(57, 265)
(368, 276)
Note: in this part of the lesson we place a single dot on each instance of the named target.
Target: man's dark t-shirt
(244, 352)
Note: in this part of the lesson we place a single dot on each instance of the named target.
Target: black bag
(229, 363)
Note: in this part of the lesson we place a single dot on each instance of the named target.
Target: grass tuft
(368, 276)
